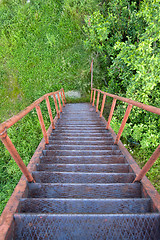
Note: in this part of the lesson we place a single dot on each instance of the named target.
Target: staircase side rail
(7, 124)
(131, 103)
(11, 121)
(149, 108)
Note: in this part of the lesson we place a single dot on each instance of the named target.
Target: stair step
(86, 123)
(118, 168)
(79, 138)
(82, 177)
(77, 142)
(83, 159)
(84, 206)
(83, 113)
(83, 117)
(77, 131)
(80, 127)
(87, 226)
(89, 134)
(81, 147)
(80, 152)
(86, 190)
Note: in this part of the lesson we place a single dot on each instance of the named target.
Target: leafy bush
(125, 35)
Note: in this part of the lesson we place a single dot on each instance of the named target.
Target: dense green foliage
(41, 50)
(46, 45)
(125, 36)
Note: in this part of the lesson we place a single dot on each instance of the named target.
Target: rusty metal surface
(111, 112)
(126, 115)
(83, 159)
(39, 113)
(50, 112)
(80, 152)
(7, 124)
(109, 168)
(12, 150)
(21, 190)
(81, 147)
(84, 190)
(84, 206)
(82, 177)
(84, 186)
(148, 189)
(79, 226)
(97, 103)
(148, 165)
(134, 103)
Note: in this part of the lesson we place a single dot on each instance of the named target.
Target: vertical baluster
(103, 102)
(111, 113)
(55, 102)
(50, 112)
(39, 113)
(148, 165)
(94, 96)
(12, 150)
(123, 123)
(64, 95)
(97, 101)
(91, 96)
(62, 99)
(91, 70)
(59, 101)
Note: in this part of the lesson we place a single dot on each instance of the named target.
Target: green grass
(41, 50)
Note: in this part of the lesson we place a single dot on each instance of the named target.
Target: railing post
(50, 112)
(97, 101)
(94, 96)
(91, 96)
(123, 123)
(148, 165)
(62, 99)
(12, 150)
(39, 113)
(55, 102)
(64, 95)
(91, 70)
(111, 113)
(103, 102)
(59, 101)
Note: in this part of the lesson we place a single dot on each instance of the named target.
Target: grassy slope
(41, 50)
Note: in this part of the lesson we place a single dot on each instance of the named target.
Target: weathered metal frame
(131, 103)
(21, 190)
(7, 124)
(148, 190)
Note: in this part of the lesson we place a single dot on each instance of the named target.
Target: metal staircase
(84, 187)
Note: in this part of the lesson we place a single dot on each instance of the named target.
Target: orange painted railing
(7, 124)
(131, 103)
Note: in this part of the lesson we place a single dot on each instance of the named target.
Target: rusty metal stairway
(84, 187)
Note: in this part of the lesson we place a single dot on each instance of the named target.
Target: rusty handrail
(7, 124)
(11, 121)
(131, 103)
(149, 108)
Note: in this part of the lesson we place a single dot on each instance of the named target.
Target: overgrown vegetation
(46, 45)
(41, 50)
(124, 36)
